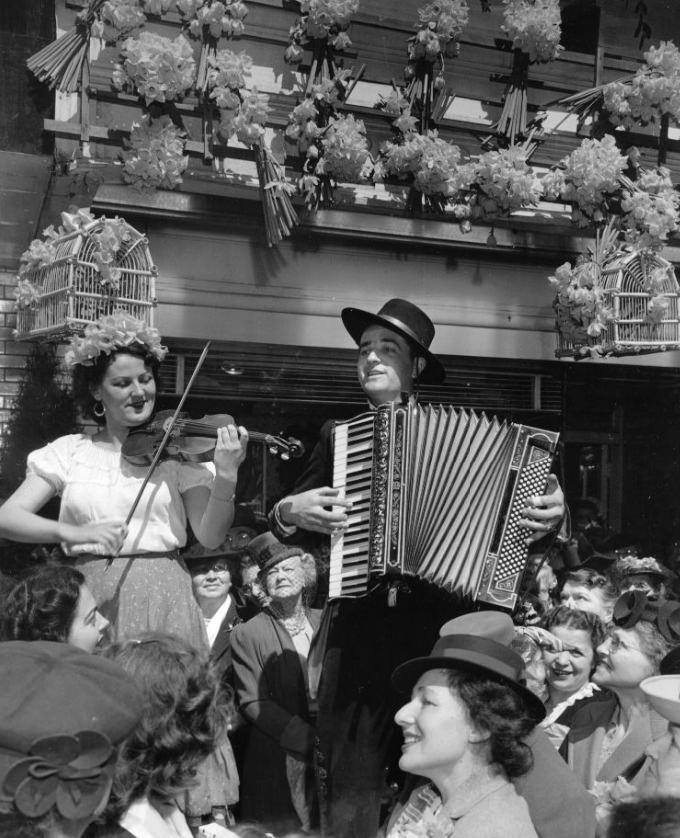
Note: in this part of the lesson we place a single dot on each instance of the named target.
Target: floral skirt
(143, 594)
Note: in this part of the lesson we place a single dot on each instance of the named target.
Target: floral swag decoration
(159, 69)
(112, 332)
(41, 253)
(155, 158)
(68, 773)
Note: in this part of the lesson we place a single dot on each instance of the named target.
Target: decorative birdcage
(88, 268)
(639, 309)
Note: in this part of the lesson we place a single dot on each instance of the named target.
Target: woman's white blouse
(95, 483)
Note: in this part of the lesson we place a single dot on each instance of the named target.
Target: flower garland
(589, 177)
(326, 20)
(243, 114)
(653, 91)
(112, 332)
(156, 156)
(534, 28)
(428, 160)
(649, 207)
(158, 68)
(118, 19)
(335, 146)
(501, 182)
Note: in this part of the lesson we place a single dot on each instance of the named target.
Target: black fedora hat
(471, 653)
(407, 320)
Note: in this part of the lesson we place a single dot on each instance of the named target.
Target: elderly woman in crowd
(569, 665)
(275, 693)
(607, 740)
(178, 729)
(464, 729)
(62, 715)
(587, 589)
(53, 603)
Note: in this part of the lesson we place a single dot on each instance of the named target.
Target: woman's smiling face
(568, 670)
(436, 727)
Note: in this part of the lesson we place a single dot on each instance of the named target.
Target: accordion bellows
(437, 492)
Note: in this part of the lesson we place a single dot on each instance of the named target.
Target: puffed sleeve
(52, 462)
(195, 474)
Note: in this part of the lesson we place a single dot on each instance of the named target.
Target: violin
(193, 440)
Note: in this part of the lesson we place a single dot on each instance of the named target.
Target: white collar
(143, 820)
(212, 624)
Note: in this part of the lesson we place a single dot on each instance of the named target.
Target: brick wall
(12, 353)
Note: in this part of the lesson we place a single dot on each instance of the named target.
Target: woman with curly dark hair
(53, 603)
(182, 718)
(464, 729)
(587, 589)
(569, 664)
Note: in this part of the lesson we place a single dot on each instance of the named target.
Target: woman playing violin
(134, 570)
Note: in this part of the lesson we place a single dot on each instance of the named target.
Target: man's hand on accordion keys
(544, 513)
(319, 510)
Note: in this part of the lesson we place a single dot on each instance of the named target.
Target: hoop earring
(98, 410)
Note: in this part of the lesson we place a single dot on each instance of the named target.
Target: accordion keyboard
(352, 469)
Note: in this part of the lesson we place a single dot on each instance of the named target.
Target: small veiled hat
(268, 551)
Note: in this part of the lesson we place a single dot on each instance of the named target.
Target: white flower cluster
(156, 158)
(117, 19)
(320, 19)
(580, 302)
(650, 209)
(159, 69)
(588, 177)
(653, 91)
(345, 155)
(441, 24)
(502, 182)
(431, 161)
(218, 18)
(534, 26)
(243, 113)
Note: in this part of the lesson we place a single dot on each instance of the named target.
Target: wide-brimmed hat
(407, 320)
(61, 712)
(634, 606)
(485, 655)
(268, 551)
(647, 565)
(663, 693)
(233, 547)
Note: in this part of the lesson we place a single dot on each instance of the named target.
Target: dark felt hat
(634, 606)
(268, 551)
(61, 712)
(481, 649)
(407, 320)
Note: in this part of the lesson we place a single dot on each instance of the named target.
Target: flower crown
(111, 333)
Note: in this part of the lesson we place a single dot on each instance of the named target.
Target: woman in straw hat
(464, 729)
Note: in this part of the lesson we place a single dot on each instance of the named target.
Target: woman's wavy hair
(652, 643)
(42, 606)
(561, 616)
(501, 711)
(86, 379)
(589, 578)
(181, 722)
(15, 825)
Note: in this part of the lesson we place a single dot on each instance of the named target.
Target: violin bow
(166, 437)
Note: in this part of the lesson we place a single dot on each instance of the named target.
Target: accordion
(437, 492)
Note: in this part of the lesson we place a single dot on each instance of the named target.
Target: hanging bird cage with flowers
(616, 301)
(86, 268)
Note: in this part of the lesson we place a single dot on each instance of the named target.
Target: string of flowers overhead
(244, 114)
(534, 28)
(334, 145)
